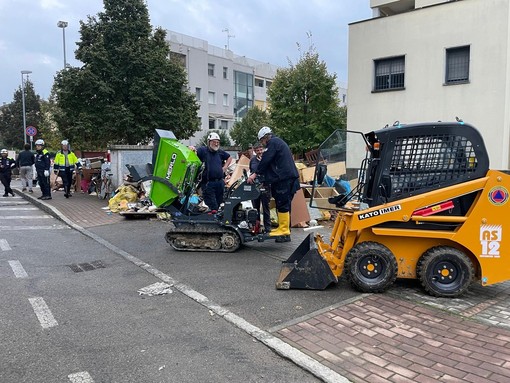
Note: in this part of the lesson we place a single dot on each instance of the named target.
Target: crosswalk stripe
(17, 269)
(24, 216)
(54, 227)
(4, 245)
(43, 313)
(18, 208)
(14, 203)
(80, 377)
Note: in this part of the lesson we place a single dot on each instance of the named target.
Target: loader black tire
(371, 267)
(445, 271)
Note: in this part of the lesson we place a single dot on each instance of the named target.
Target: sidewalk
(403, 335)
(83, 209)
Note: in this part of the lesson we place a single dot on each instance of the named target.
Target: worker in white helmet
(6, 166)
(216, 162)
(279, 170)
(42, 167)
(65, 165)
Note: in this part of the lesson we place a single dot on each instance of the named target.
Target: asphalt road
(59, 325)
(243, 282)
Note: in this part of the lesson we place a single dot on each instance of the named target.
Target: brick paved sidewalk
(83, 209)
(381, 338)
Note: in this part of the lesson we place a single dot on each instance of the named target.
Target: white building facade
(433, 60)
(225, 85)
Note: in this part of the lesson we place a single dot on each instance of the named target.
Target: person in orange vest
(64, 165)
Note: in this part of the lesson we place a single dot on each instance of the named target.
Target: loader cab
(401, 161)
(414, 159)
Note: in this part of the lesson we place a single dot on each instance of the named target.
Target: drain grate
(88, 266)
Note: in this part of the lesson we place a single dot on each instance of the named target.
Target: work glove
(46, 173)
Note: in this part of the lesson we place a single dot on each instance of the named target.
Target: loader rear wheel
(445, 271)
(371, 267)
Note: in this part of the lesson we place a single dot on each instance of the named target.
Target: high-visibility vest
(60, 161)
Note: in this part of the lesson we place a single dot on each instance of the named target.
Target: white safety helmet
(4, 151)
(213, 136)
(39, 142)
(64, 142)
(263, 131)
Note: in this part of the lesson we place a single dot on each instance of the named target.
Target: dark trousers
(44, 183)
(67, 179)
(283, 192)
(212, 192)
(6, 181)
(264, 198)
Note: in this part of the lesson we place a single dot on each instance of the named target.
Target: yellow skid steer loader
(417, 201)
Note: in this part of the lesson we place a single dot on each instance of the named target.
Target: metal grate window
(389, 73)
(420, 162)
(457, 65)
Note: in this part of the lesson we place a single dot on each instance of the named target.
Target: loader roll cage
(399, 162)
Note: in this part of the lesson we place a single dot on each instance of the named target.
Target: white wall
(422, 36)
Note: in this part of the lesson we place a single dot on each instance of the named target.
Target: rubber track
(199, 230)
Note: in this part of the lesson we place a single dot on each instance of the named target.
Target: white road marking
(14, 203)
(43, 312)
(54, 227)
(18, 269)
(80, 377)
(4, 245)
(2, 217)
(19, 208)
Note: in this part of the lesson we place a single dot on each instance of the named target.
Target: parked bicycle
(101, 183)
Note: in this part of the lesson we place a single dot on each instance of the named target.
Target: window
(224, 124)
(259, 82)
(225, 72)
(210, 69)
(212, 124)
(243, 93)
(225, 99)
(389, 73)
(198, 94)
(212, 98)
(457, 65)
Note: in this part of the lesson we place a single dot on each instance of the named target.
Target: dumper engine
(247, 218)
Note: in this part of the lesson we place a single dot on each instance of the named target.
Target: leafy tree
(11, 117)
(244, 132)
(304, 103)
(224, 138)
(127, 86)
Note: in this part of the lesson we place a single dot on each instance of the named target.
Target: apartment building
(433, 60)
(226, 85)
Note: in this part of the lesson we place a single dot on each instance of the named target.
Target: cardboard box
(320, 197)
(306, 174)
(298, 211)
(335, 170)
(242, 164)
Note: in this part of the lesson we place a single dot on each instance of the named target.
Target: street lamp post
(63, 25)
(24, 72)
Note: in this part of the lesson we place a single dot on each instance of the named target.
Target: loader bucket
(305, 269)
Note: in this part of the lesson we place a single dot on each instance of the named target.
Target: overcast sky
(264, 30)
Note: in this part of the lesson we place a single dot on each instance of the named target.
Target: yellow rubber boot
(283, 225)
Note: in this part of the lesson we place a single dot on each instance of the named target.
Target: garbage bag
(125, 194)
